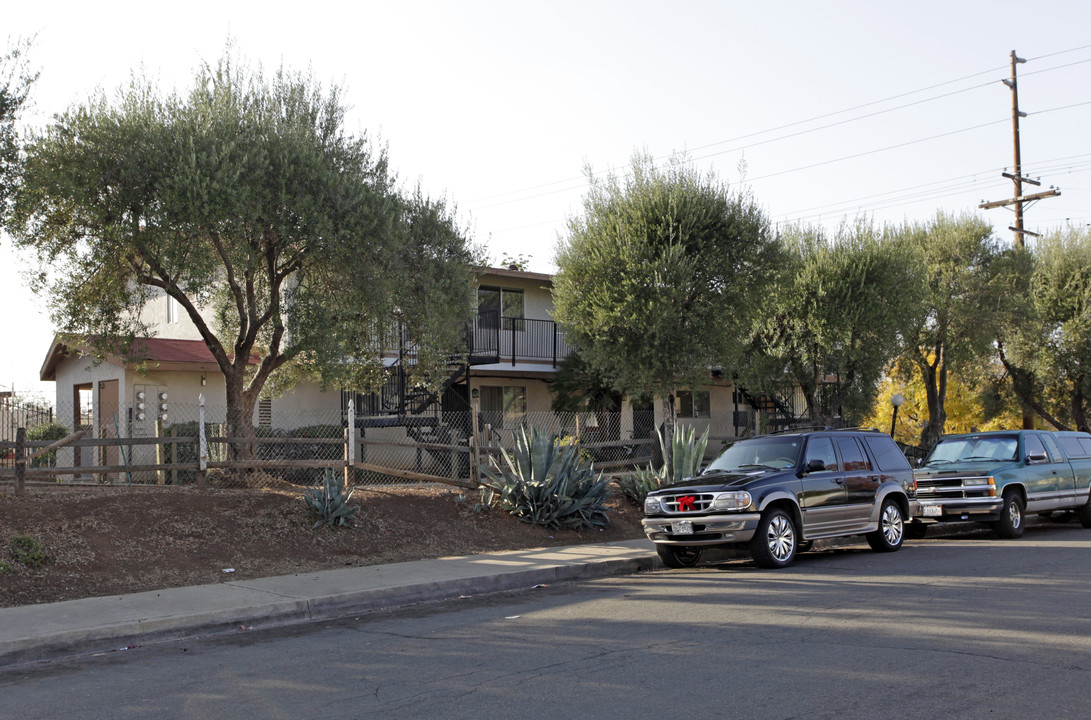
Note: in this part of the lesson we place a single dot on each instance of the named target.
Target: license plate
(932, 511)
(682, 527)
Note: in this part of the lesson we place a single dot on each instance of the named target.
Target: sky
(823, 110)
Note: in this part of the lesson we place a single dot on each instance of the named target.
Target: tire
(1012, 517)
(775, 542)
(916, 530)
(891, 532)
(678, 556)
(1085, 515)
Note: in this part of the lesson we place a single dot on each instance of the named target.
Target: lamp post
(896, 401)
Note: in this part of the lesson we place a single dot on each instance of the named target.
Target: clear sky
(825, 109)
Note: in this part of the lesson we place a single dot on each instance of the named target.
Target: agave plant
(544, 482)
(329, 501)
(688, 450)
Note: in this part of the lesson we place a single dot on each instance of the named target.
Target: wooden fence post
(20, 460)
(202, 445)
(160, 454)
(475, 442)
(174, 457)
(350, 443)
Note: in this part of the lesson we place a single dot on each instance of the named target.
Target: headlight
(652, 506)
(978, 481)
(731, 501)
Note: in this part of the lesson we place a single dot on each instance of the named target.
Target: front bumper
(977, 509)
(707, 529)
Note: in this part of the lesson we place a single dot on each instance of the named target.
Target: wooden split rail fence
(166, 471)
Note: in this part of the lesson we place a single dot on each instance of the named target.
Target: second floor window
(494, 303)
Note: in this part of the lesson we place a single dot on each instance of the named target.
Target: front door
(823, 497)
(108, 420)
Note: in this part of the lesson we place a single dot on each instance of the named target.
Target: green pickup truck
(997, 477)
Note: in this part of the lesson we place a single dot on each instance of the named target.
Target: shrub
(687, 454)
(28, 551)
(329, 501)
(5, 567)
(545, 483)
(48, 432)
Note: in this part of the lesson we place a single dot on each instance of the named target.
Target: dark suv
(775, 494)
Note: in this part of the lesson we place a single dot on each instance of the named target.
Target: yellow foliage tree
(966, 410)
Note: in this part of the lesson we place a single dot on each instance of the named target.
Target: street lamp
(896, 401)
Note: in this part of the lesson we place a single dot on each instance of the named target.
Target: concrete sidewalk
(44, 632)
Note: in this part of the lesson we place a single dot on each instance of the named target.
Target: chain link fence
(156, 441)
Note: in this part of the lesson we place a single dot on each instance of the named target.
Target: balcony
(495, 339)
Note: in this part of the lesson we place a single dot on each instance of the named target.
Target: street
(962, 626)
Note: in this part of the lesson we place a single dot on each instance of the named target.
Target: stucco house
(514, 349)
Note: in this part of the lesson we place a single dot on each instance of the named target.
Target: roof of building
(161, 353)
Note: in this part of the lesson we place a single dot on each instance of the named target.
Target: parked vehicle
(773, 495)
(998, 477)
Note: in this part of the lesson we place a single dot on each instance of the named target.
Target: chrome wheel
(781, 538)
(891, 524)
(1015, 515)
(774, 541)
(889, 535)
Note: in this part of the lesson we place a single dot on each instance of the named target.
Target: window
(504, 406)
(887, 454)
(265, 412)
(693, 404)
(1032, 445)
(821, 448)
(1051, 446)
(494, 303)
(852, 455)
(172, 310)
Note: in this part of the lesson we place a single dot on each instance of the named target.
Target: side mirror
(1036, 457)
(815, 465)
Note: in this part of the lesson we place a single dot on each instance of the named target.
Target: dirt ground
(115, 540)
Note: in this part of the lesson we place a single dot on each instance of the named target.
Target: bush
(49, 432)
(687, 454)
(5, 567)
(28, 551)
(545, 483)
(329, 501)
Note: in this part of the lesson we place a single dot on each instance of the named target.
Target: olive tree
(1046, 343)
(963, 271)
(657, 278)
(841, 310)
(15, 82)
(284, 237)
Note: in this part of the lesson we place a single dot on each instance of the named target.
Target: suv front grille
(684, 503)
(948, 488)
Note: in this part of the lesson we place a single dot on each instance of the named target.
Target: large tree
(1046, 342)
(283, 237)
(963, 266)
(840, 313)
(657, 278)
(15, 81)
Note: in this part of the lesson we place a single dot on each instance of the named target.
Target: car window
(821, 448)
(1032, 445)
(972, 448)
(888, 457)
(1051, 447)
(852, 456)
(763, 452)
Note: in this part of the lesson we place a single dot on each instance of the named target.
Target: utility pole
(1017, 177)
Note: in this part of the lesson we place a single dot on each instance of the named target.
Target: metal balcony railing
(496, 339)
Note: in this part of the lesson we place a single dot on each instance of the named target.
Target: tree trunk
(240, 417)
(934, 376)
(669, 418)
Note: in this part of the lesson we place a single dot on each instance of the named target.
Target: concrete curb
(47, 632)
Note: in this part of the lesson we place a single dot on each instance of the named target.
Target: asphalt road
(957, 627)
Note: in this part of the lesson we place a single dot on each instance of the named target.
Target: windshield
(975, 448)
(769, 453)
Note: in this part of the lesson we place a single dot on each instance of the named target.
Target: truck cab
(998, 477)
